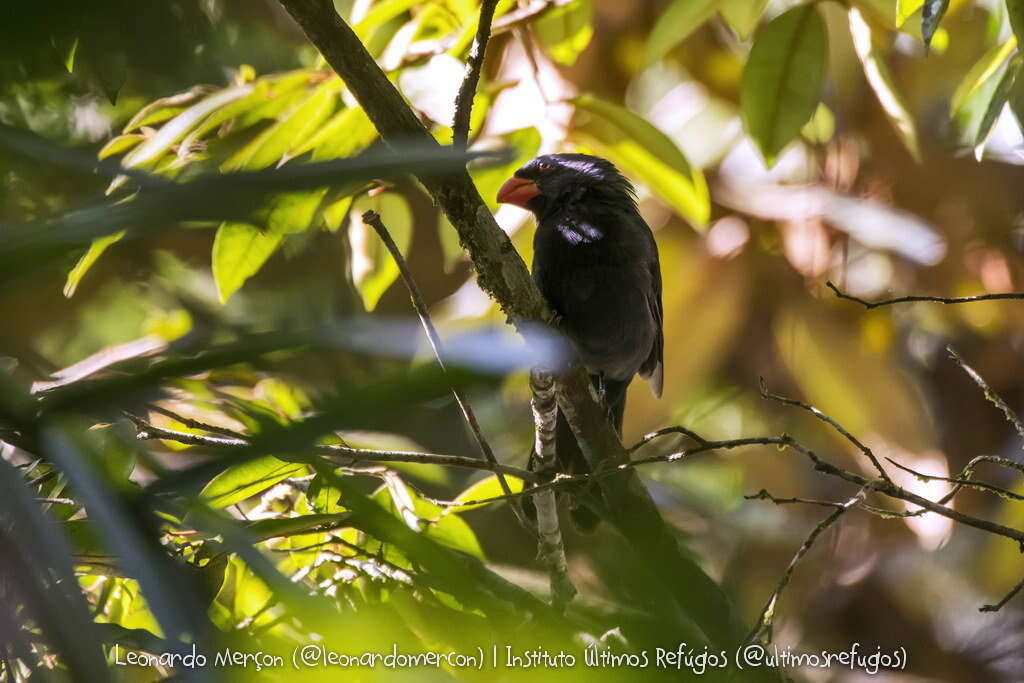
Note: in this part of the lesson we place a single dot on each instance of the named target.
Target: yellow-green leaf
(488, 487)
(995, 106)
(273, 145)
(676, 23)
(95, 250)
(247, 479)
(983, 71)
(880, 80)
(641, 150)
(783, 78)
(742, 15)
(566, 30)
(239, 251)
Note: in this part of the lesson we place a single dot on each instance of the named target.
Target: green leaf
(382, 13)
(237, 483)
(349, 131)
(995, 105)
(640, 149)
(877, 73)
(373, 269)
(905, 9)
(566, 30)
(95, 250)
(821, 127)
(239, 251)
(174, 130)
(742, 15)
(119, 144)
(272, 146)
(932, 12)
(783, 78)
(983, 71)
(1015, 12)
(488, 487)
(675, 25)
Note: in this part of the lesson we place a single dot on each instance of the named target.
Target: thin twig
(1006, 598)
(764, 495)
(147, 431)
(889, 489)
(933, 299)
(767, 616)
(194, 424)
(992, 397)
(960, 481)
(373, 219)
(474, 65)
(665, 431)
(828, 420)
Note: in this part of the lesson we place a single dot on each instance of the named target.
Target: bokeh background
(880, 201)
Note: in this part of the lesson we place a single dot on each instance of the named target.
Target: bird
(596, 262)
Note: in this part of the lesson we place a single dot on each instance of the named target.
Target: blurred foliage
(775, 144)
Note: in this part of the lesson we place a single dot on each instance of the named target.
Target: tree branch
(933, 299)
(550, 547)
(464, 100)
(148, 431)
(990, 395)
(1006, 598)
(503, 275)
(373, 219)
(828, 420)
(763, 628)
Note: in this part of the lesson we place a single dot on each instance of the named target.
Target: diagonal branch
(373, 219)
(992, 396)
(825, 418)
(503, 275)
(933, 299)
(763, 628)
(464, 100)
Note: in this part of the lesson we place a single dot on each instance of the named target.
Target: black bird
(596, 262)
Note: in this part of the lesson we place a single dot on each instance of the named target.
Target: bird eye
(543, 166)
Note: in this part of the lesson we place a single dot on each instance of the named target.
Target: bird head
(564, 179)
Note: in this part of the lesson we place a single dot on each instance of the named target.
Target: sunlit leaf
(905, 9)
(932, 12)
(122, 143)
(641, 150)
(239, 251)
(85, 262)
(241, 481)
(676, 23)
(174, 130)
(983, 71)
(373, 269)
(742, 15)
(346, 133)
(998, 101)
(272, 145)
(488, 487)
(821, 127)
(880, 80)
(783, 78)
(381, 13)
(566, 30)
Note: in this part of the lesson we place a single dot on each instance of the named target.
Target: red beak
(518, 191)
